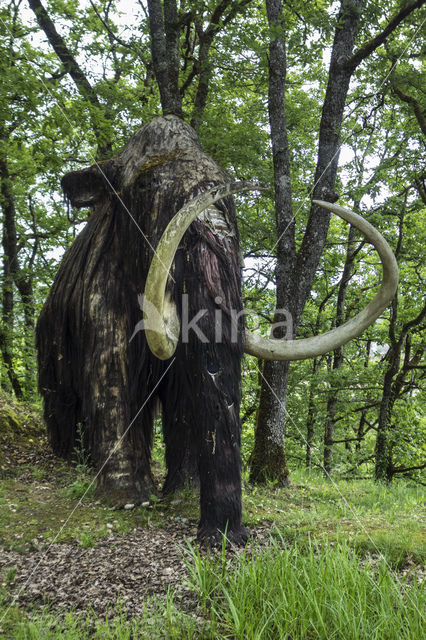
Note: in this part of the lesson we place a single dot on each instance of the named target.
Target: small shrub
(81, 488)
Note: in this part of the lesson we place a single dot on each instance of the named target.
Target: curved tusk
(163, 338)
(331, 340)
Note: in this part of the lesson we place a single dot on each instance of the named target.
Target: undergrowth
(281, 592)
(344, 562)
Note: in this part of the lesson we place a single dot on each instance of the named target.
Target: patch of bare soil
(127, 568)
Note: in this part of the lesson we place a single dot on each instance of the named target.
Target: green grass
(179, 626)
(296, 593)
(308, 592)
(380, 519)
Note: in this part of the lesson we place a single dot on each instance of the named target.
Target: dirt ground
(127, 568)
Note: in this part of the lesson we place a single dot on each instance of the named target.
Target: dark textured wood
(89, 372)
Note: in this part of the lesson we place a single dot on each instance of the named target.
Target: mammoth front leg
(218, 428)
(220, 478)
(182, 451)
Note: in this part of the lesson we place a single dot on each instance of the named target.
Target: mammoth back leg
(60, 358)
(62, 413)
(85, 377)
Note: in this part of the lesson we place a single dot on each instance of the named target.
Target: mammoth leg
(85, 377)
(62, 412)
(213, 362)
(218, 434)
(181, 446)
(122, 419)
(202, 437)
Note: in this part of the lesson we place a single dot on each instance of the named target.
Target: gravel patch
(127, 568)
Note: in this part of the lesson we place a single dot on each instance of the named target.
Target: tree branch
(201, 66)
(378, 40)
(417, 108)
(405, 469)
(64, 54)
(73, 69)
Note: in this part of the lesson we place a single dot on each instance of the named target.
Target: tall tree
(268, 459)
(298, 268)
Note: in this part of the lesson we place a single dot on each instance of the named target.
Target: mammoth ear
(84, 188)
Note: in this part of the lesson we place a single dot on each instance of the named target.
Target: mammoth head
(163, 137)
(163, 340)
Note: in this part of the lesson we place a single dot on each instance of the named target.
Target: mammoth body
(163, 223)
(97, 374)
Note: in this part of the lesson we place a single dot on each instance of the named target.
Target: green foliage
(81, 456)
(48, 127)
(83, 487)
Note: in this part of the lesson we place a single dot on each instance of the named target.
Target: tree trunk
(383, 468)
(381, 448)
(295, 273)
(363, 418)
(10, 266)
(164, 32)
(338, 353)
(268, 459)
(203, 66)
(22, 278)
(310, 419)
(24, 284)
